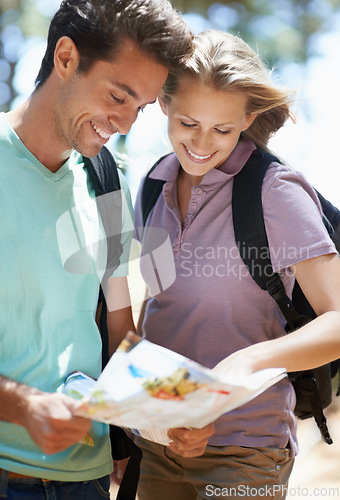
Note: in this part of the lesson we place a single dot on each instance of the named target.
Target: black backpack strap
(251, 239)
(330, 211)
(251, 236)
(331, 219)
(124, 447)
(151, 190)
(103, 173)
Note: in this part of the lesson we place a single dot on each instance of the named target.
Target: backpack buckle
(275, 287)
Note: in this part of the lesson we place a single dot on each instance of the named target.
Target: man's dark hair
(98, 27)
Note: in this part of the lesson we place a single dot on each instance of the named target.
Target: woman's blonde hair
(225, 62)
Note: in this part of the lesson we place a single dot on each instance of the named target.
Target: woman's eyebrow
(216, 124)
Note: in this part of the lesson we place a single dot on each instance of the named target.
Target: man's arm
(48, 417)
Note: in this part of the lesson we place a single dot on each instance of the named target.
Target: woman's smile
(196, 157)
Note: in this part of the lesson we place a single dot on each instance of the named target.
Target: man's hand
(190, 442)
(50, 421)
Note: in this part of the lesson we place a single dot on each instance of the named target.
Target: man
(105, 61)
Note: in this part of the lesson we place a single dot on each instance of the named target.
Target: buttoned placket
(195, 204)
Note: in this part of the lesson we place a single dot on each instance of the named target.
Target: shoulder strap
(251, 236)
(151, 190)
(331, 219)
(103, 173)
(102, 170)
(251, 239)
(331, 212)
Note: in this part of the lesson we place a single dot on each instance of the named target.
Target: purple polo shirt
(214, 307)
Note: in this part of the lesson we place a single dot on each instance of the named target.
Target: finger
(183, 451)
(55, 436)
(191, 435)
(190, 443)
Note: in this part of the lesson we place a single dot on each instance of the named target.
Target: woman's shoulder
(164, 167)
(293, 217)
(285, 184)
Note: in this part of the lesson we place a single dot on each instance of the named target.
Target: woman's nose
(202, 143)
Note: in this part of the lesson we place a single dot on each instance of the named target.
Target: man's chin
(89, 151)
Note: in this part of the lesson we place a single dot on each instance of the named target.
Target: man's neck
(31, 123)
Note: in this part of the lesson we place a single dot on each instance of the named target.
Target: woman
(221, 108)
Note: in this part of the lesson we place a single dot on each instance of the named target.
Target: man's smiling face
(94, 105)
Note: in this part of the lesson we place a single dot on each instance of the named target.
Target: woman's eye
(223, 132)
(189, 125)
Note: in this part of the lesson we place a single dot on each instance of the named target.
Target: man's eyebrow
(131, 92)
(127, 89)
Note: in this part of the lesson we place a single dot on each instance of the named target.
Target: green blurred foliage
(280, 30)
(19, 21)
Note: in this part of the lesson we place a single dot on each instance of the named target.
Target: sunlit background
(300, 39)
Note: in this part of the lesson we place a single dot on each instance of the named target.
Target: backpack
(313, 388)
(103, 174)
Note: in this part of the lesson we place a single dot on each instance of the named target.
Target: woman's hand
(238, 365)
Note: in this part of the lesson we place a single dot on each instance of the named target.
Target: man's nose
(124, 121)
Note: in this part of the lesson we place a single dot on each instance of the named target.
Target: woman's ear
(66, 57)
(249, 120)
(163, 104)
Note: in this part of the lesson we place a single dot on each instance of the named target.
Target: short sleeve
(293, 218)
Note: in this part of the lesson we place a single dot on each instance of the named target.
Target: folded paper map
(149, 389)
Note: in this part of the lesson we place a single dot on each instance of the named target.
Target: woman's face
(204, 125)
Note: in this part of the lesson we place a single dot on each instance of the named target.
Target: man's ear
(163, 104)
(66, 57)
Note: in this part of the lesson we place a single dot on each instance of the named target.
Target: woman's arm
(314, 344)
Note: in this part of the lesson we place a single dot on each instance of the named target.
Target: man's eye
(116, 99)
